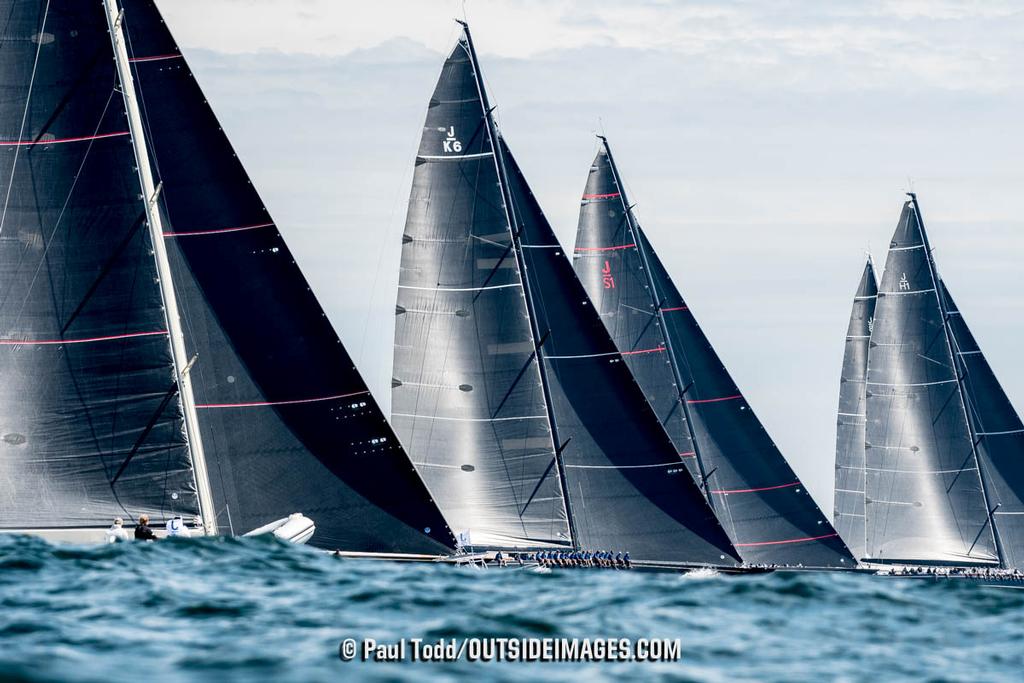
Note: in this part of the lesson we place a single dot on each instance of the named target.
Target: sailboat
(766, 510)
(508, 392)
(943, 467)
(161, 351)
(851, 423)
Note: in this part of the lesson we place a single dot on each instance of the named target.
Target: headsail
(287, 422)
(999, 435)
(768, 513)
(924, 499)
(626, 488)
(850, 426)
(90, 420)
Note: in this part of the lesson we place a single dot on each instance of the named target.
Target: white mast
(156, 231)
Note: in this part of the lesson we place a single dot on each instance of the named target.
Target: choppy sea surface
(258, 609)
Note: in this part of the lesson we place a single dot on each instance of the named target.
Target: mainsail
(90, 418)
(924, 498)
(998, 434)
(508, 391)
(287, 422)
(769, 515)
(850, 426)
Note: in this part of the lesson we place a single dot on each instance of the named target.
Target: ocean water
(260, 610)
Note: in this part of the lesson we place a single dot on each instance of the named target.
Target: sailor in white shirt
(176, 527)
(116, 532)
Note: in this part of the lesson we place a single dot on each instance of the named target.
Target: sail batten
(924, 496)
(769, 515)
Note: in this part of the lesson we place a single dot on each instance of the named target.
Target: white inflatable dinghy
(295, 528)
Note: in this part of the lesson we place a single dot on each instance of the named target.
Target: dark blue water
(250, 610)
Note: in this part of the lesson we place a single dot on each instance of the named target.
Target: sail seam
(454, 157)
(916, 291)
(61, 141)
(258, 404)
(763, 488)
(470, 419)
(956, 471)
(791, 540)
(912, 384)
(87, 340)
(154, 58)
(216, 231)
(620, 467)
(619, 248)
(714, 400)
(583, 355)
(460, 289)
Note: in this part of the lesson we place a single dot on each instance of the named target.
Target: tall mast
(951, 345)
(676, 374)
(150, 195)
(509, 208)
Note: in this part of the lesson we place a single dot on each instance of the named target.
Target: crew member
(117, 532)
(142, 531)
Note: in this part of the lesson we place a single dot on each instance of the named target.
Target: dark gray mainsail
(850, 426)
(90, 414)
(999, 435)
(621, 482)
(769, 515)
(924, 498)
(287, 422)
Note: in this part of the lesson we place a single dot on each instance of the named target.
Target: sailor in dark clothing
(142, 531)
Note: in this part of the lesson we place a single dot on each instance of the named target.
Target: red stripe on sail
(763, 488)
(624, 246)
(88, 340)
(259, 404)
(60, 141)
(638, 351)
(716, 400)
(676, 308)
(154, 58)
(601, 196)
(217, 231)
(690, 454)
(792, 540)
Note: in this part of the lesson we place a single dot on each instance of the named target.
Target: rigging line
(170, 394)
(107, 267)
(630, 223)
(951, 348)
(24, 116)
(186, 321)
(63, 210)
(508, 203)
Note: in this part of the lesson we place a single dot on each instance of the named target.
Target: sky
(767, 146)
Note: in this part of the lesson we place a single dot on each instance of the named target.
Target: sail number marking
(451, 143)
(606, 276)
